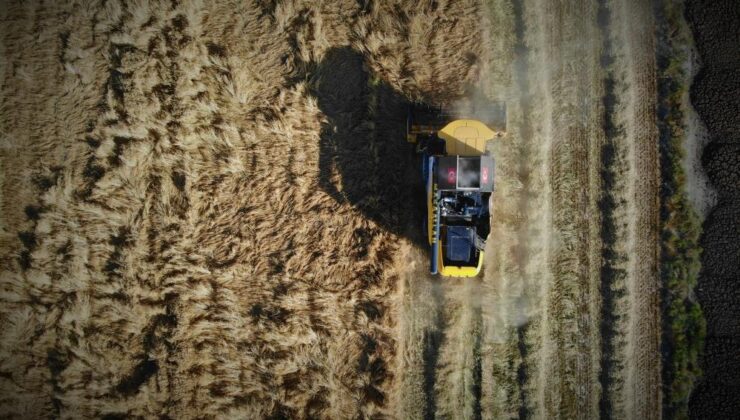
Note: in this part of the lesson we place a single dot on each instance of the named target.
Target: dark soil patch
(716, 95)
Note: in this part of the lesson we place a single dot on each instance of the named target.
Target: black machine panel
(466, 173)
(447, 172)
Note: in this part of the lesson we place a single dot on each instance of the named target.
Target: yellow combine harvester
(458, 173)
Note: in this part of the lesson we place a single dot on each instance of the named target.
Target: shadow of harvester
(364, 159)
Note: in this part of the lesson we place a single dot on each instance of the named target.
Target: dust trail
(516, 259)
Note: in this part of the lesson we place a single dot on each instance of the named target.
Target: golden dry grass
(185, 229)
(207, 209)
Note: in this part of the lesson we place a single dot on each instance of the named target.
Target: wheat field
(208, 209)
(200, 207)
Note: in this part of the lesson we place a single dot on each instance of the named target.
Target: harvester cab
(458, 173)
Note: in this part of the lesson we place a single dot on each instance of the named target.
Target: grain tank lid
(466, 137)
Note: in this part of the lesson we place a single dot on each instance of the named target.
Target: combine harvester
(458, 172)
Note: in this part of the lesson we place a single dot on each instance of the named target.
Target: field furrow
(643, 373)
(574, 87)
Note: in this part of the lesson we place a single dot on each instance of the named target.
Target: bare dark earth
(715, 93)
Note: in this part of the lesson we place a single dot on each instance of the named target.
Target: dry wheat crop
(208, 209)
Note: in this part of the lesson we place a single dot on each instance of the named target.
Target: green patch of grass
(684, 326)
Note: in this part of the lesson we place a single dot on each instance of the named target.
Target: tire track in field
(643, 380)
(629, 251)
(613, 232)
(456, 383)
(572, 41)
(421, 336)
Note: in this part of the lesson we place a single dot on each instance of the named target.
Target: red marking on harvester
(451, 175)
(484, 175)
